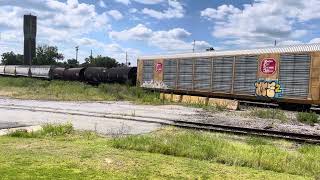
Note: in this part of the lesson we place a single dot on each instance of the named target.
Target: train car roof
(301, 48)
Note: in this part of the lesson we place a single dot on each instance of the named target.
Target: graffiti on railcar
(154, 84)
(159, 67)
(268, 66)
(268, 88)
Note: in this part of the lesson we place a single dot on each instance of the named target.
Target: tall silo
(30, 32)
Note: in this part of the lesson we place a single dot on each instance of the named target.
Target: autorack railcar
(287, 75)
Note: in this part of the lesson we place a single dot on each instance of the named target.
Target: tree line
(49, 55)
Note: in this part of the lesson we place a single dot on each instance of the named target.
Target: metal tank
(2, 70)
(122, 75)
(10, 70)
(74, 74)
(57, 73)
(95, 75)
(41, 71)
(23, 71)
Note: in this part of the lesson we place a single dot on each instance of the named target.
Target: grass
(85, 155)
(308, 117)
(28, 88)
(211, 108)
(50, 130)
(254, 153)
(269, 114)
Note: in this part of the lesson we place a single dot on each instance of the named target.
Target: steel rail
(298, 137)
(307, 138)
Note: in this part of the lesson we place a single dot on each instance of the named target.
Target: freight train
(92, 75)
(288, 75)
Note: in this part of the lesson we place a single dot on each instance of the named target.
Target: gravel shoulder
(112, 116)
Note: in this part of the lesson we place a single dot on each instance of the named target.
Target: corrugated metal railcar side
(282, 74)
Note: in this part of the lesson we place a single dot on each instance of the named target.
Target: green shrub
(47, 130)
(131, 93)
(307, 117)
(269, 114)
(23, 134)
(57, 130)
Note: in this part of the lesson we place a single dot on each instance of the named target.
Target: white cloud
(115, 14)
(133, 10)
(219, 13)
(315, 40)
(102, 4)
(62, 24)
(289, 42)
(262, 22)
(126, 2)
(171, 40)
(175, 10)
(112, 50)
(140, 32)
(148, 2)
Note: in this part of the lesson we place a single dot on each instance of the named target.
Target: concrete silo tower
(30, 32)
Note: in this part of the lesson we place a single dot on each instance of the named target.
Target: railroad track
(298, 137)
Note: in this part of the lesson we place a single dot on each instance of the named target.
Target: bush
(307, 117)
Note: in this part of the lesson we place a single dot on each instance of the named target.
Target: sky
(147, 27)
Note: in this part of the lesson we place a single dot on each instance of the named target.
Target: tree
(101, 61)
(210, 49)
(71, 63)
(10, 58)
(47, 55)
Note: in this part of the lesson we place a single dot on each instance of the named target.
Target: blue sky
(144, 27)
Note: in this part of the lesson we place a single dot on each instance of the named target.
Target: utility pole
(194, 45)
(91, 55)
(77, 49)
(275, 42)
(126, 58)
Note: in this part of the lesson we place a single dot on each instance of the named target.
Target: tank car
(74, 74)
(119, 75)
(23, 71)
(10, 70)
(41, 72)
(2, 67)
(58, 72)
